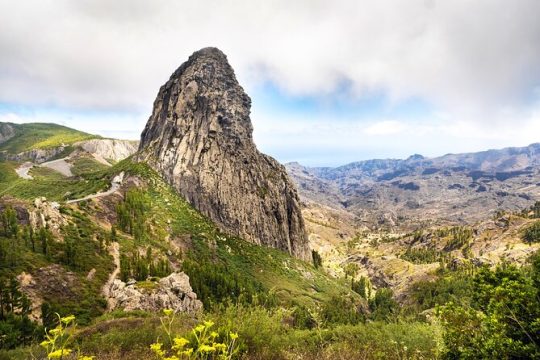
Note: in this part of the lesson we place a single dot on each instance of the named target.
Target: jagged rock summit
(199, 138)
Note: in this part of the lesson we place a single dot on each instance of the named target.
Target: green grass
(49, 183)
(44, 173)
(42, 136)
(87, 165)
(263, 334)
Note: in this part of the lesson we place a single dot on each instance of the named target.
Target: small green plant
(58, 340)
(202, 343)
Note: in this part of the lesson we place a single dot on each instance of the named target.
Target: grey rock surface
(199, 138)
(110, 149)
(7, 131)
(456, 188)
(172, 292)
(37, 156)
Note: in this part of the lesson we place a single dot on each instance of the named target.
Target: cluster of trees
(15, 239)
(421, 255)
(460, 237)
(362, 287)
(215, 283)
(140, 267)
(131, 214)
(500, 319)
(15, 326)
(532, 233)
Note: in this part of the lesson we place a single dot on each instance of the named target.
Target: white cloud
(386, 127)
(464, 55)
(476, 62)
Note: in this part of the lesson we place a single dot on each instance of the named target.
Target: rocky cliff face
(7, 131)
(110, 149)
(199, 138)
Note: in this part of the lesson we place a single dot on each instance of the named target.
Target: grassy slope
(290, 278)
(85, 165)
(49, 183)
(42, 136)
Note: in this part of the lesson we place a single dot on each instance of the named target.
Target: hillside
(18, 138)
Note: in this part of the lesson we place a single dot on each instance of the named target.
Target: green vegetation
(421, 255)
(502, 320)
(362, 287)
(42, 136)
(41, 173)
(50, 184)
(534, 211)
(24, 249)
(383, 306)
(202, 343)
(532, 233)
(87, 165)
(316, 258)
(132, 212)
(256, 272)
(15, 327)
(454, 287)
(140, 267)
(460, 236)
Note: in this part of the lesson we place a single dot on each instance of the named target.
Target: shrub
(382, 305)
(502, 320)
(202, 343)
(317, 259)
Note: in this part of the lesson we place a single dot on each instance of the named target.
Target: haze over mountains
(461, 188)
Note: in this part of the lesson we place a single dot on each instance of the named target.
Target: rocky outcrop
(37, 156)
(7, 131)
(47, 282)
(171, 292)
(199, 138)
(47, 214)
(109, 149)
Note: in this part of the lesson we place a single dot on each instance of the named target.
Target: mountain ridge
(456, 188)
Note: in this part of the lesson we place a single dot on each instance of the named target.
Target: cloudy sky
(331, 81)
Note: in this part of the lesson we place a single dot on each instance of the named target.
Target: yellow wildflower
(199, 328)
(188, 352)
(206, 348)
(45, 343)
(220, 347)
(209, 323)
(214, 334)
(168, 312)
(179, 343)
(59, 353)
(156, 348)
(55, 331)
(68, 319)
(233, 336)
(86, 358)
